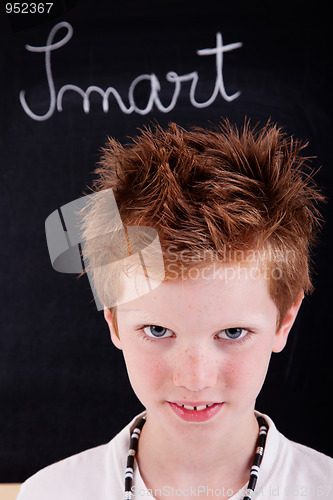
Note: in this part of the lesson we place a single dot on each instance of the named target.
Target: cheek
(235, 372)
(146, 371)
(154, 371)
(246, 371)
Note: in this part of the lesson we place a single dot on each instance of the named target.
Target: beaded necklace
(263, 429)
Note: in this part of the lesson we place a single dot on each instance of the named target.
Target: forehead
(227, 291)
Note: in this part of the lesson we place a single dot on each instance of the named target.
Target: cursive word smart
(56, 97)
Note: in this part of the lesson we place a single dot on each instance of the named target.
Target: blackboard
(63, 386)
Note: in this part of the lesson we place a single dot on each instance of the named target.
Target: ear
(114, 337)
(281, 335)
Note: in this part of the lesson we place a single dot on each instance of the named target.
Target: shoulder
(77, 477)
(94, 473)
(305, 472)
(312, 462)
(294, 469)
(67, 479)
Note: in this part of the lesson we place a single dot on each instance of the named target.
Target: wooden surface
(9, 491)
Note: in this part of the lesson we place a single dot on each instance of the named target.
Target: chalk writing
(56, 98)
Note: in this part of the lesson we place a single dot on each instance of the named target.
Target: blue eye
(233, 333)
(157, 332)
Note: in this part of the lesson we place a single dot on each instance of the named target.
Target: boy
(235, 217)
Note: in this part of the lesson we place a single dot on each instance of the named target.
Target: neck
(195, 455)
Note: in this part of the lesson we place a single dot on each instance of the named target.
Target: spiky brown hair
(208, 190)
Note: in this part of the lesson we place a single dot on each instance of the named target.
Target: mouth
(198, 407)
(195, 412)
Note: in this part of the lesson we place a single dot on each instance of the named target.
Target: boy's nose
(194, 369)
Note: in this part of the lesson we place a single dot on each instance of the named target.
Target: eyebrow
(140, 311)
(256, 318)
(129, 310)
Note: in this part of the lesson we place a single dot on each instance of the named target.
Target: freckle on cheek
(232, 368)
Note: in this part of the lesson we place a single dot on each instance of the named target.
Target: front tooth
(201, 407)
(188, 407)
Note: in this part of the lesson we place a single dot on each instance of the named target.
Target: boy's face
(206, 340)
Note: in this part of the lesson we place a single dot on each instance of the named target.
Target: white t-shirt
(289, 471)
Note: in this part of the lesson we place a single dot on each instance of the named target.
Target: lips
(195, 411)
